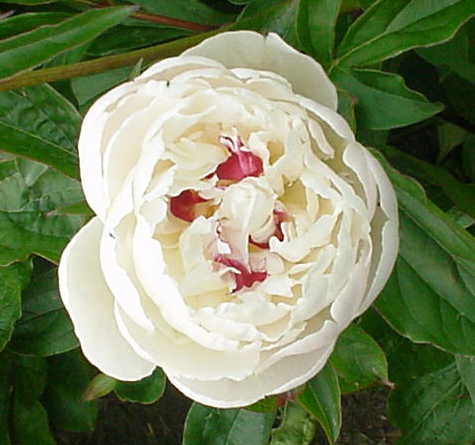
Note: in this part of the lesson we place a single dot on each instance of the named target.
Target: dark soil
(123, 423)
(119, 423)
(365, 421)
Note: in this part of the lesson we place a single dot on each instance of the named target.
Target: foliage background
(405, 70)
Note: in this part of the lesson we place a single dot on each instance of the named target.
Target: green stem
(103, 64)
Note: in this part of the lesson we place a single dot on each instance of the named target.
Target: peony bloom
(240, 227)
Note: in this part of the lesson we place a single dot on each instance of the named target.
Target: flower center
(244, 208)
(188, 205)
(242, 276)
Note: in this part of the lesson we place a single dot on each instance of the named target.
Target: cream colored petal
(117, 267)
(90, 303)
(283, 376)
(125, 147)
(90, 146)
(248, 49)
(151, 270)
(186, 358)
(171, 67)
(385, 227)
(355, 157)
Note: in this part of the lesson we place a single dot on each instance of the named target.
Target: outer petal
(282, 376)
(90, 147)
(386, 243)
(248, 49)
(90, 305)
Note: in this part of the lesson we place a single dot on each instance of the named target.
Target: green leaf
(26, 22)
(125, 37)
(69, 375)
(133, 34)
(30, 420)
(28, 2)
(452, 55)
(33, 48)
(460, 218)
(210, 426)
(297, 427)
(88, 88)
(5, 393)
(459, 193)
(350, 6)
(30, 375)
(450, 136)
(80, 208)
(358, 360)
(147, 390)
(390, 27)
(407, 360)
(316, 28)
(192, 10)
(466, 369)
(468, 157)
(384, 101)
(265, 405)
(99, 386)
(460, 94)
(434, 410)
(266, 16)
(365, 4)
(321, 398)
(12, 280)
(31, 424)
(44, 328)
(40, 124)
(346, 107)
(430, 296)
(30, 195)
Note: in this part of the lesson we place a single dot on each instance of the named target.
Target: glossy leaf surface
(321, 397)
(44, 328)
(30, 49)
(210, 426)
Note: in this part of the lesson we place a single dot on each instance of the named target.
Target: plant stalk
(101, 64)
(169, 21)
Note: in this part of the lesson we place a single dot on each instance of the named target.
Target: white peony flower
(240, 227)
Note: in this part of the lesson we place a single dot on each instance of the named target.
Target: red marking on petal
(279, 218)
(182, 206)
(245, 278)
(242, 162)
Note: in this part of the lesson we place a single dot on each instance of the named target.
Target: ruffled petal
(385, 227)
(91, 147)
(283, 376)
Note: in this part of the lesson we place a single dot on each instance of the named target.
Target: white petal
(117, 267)
(385, 226)
(284, 375)
(90, 305)
(91, 147)
(248, 49)
(163, 290)
(168, 68)
(181, 356)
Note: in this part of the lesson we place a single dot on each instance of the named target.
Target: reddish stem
(177, 23)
